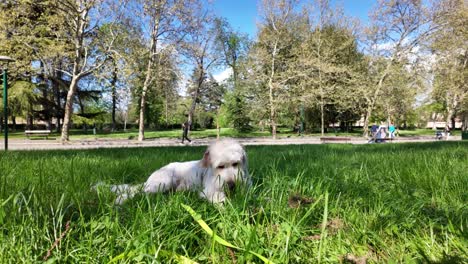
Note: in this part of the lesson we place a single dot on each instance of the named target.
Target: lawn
(77, 134)
(391, 203)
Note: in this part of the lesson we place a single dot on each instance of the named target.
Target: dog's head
(228, 161)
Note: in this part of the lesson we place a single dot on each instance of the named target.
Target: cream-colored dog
(224, 165)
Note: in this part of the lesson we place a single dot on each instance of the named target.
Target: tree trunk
(69, 110)
(45, 94)
(448, 120)
(29, 121)
(373, 99)
(366, 122)
(272, 112)
(465, 122)
(13, 121)
(58, 125)
(76, 74)
(192, 109)
(58, 110)
(166, 110)
(141, 120)
(114, 93)
(322, 99)
(149, 68)
(125, 120)
(322, 118)
(271, 88)
(200, 80)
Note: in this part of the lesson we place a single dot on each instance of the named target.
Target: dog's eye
(221, 167)
(235, 164)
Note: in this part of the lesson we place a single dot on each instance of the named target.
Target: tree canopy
(147, 63)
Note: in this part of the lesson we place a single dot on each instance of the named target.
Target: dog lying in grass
(223, 166)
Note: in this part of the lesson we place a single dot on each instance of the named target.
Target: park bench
(335, 139)
(43, 133)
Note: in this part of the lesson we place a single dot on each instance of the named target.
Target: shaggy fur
(224, 165)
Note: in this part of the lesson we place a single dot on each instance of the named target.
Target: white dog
(224, 165)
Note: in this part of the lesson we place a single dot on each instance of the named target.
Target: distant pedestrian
(447, 132)
(391, 131)
(185, 129)
(374, 129)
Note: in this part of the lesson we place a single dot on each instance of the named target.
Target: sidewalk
(42, 144)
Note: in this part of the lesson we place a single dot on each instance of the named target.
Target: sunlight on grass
(390, 203)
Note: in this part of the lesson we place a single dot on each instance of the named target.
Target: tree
(237, 111)
(34, 32)
(234, 47)
(399, 93)
(449, 46)
(82, 26)
(327, 61)
(271, 56)
(168, 22)
(398, 30)
(117, 75)
(198, 48)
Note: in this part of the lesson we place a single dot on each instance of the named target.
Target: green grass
(76, 134)
(151, 134)
(390, 203)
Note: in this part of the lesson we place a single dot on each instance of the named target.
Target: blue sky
(242, 14)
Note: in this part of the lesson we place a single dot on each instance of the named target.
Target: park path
(42, 144)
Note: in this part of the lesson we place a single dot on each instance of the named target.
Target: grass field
(211, 133)
(390, 203)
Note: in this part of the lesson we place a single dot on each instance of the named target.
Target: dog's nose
(231, 185)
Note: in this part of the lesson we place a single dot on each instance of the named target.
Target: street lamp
(5, 60)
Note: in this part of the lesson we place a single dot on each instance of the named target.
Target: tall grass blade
(218, 239)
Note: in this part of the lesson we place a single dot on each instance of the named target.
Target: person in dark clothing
(374, 130)
(185, 129)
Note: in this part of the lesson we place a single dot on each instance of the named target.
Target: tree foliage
(152, 62)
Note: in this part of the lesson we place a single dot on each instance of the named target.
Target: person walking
(447, 132)
(391, 130)
(374, 129)
(185, 129)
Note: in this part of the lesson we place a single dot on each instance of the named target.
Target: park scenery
(352, 116)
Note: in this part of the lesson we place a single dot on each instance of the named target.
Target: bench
(334, 139)
(43, 133)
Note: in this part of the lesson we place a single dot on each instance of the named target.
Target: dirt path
(26, 144)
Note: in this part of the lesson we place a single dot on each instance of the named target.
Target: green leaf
(218, 239)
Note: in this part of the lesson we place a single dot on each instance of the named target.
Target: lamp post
(6, 60)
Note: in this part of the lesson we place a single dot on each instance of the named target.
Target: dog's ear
(206, 159)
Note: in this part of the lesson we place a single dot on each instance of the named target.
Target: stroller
(439, 135)
(379, 137)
